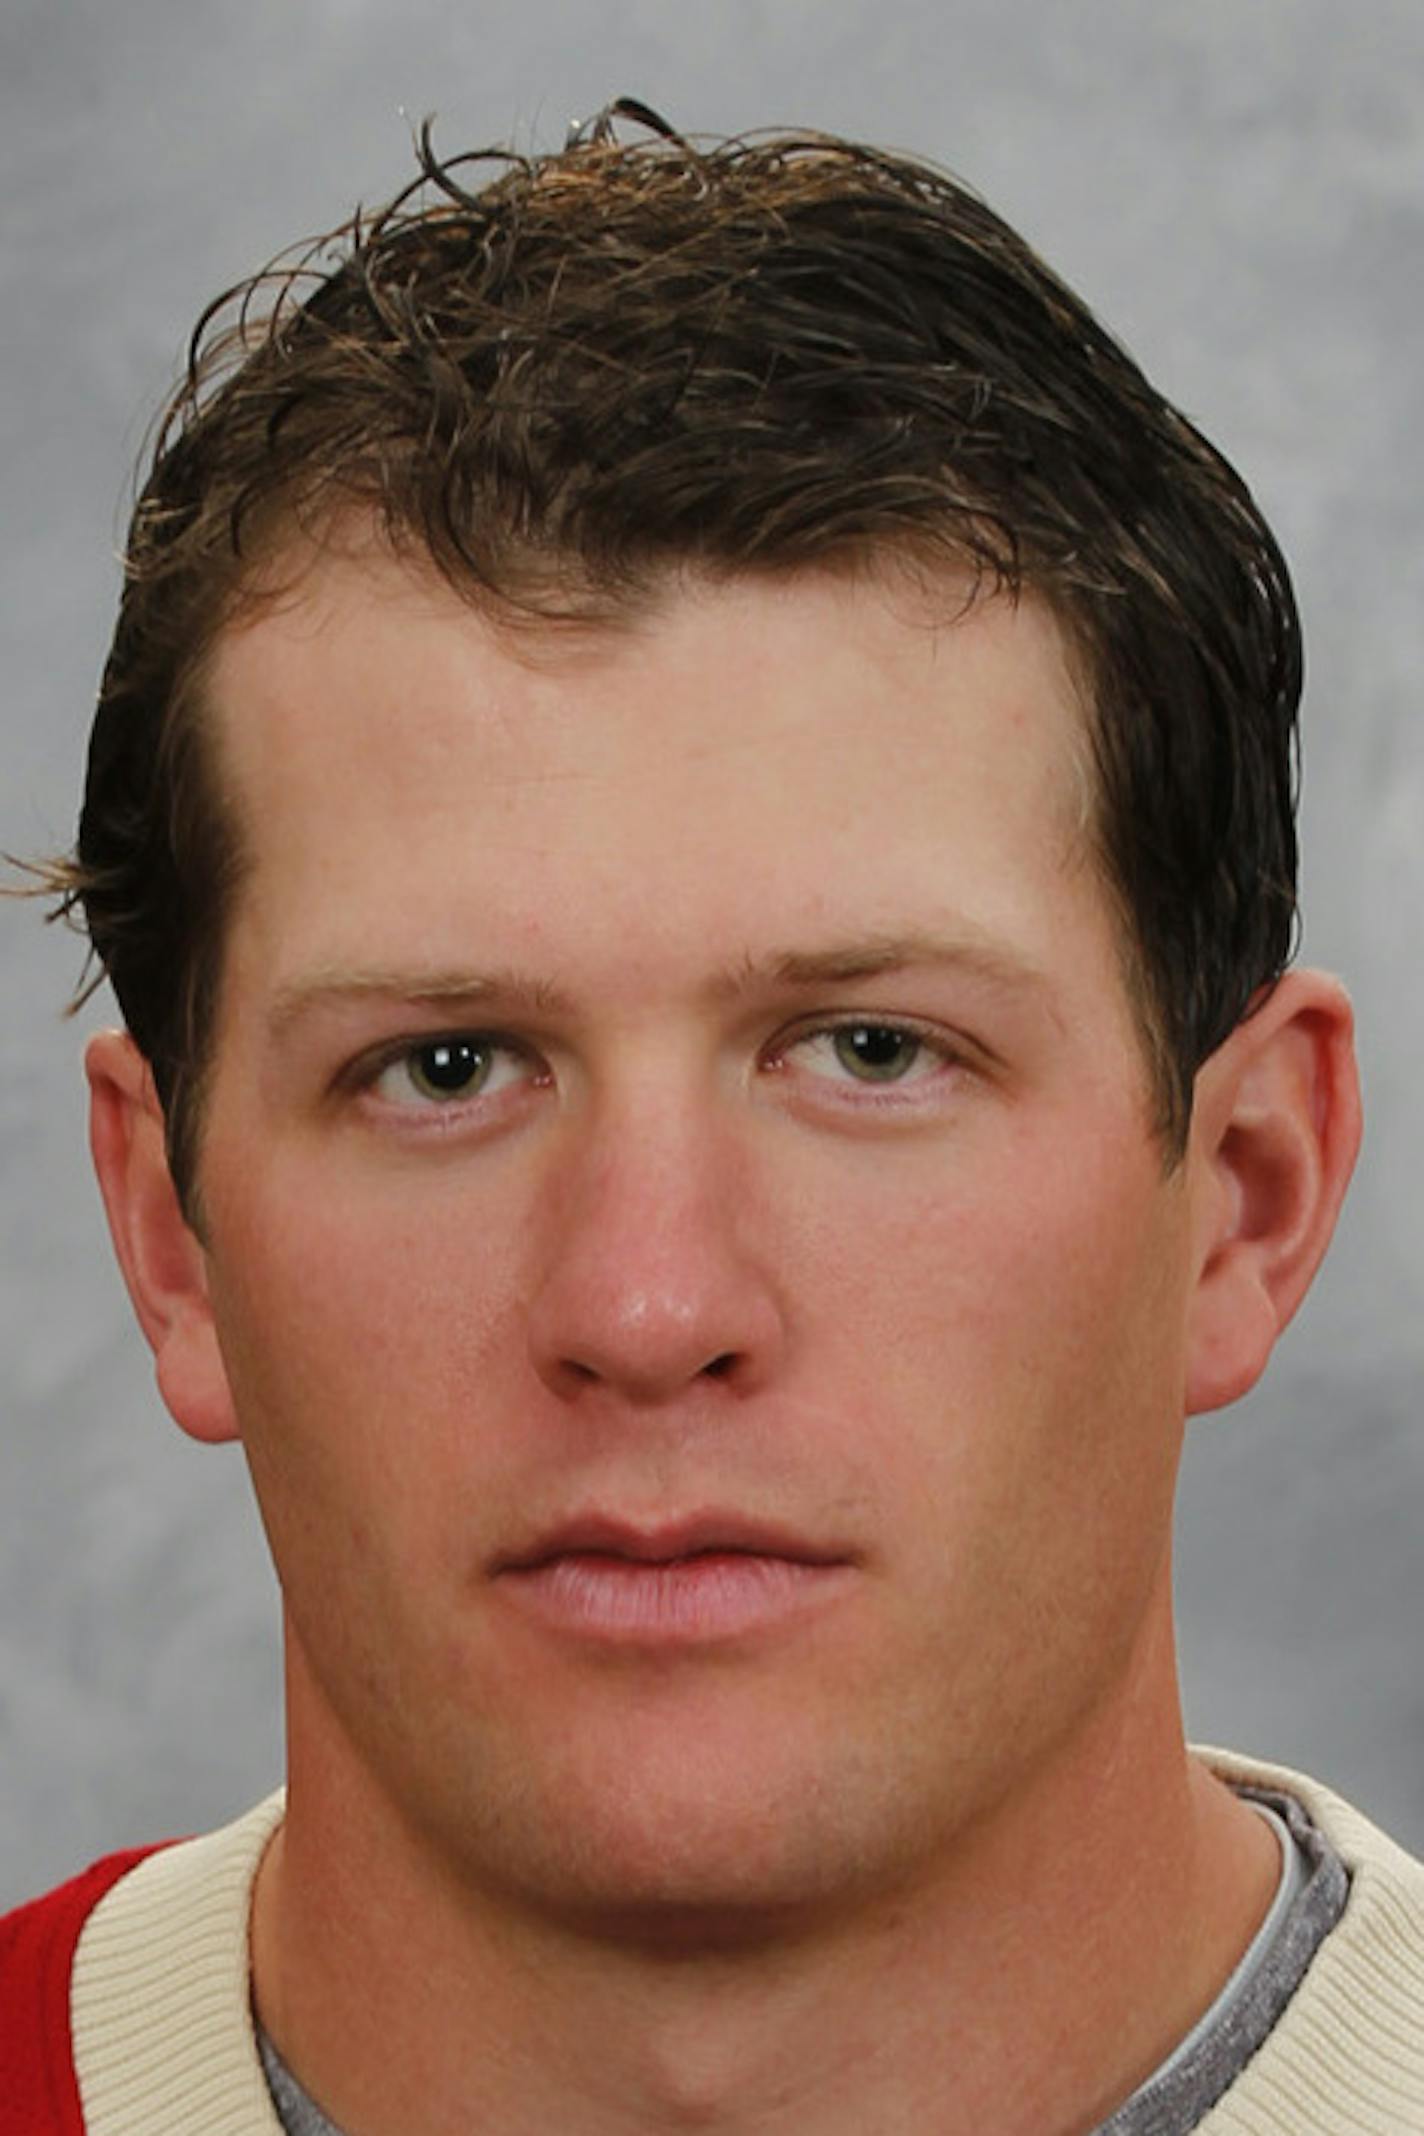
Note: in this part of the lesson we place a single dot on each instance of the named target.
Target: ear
(161, 1257)
(1275, 1131)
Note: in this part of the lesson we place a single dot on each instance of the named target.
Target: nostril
(579, 1373)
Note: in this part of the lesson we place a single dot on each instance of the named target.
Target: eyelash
(934, 1054)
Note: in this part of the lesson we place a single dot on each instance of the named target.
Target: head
(694, 789)
(566, 380)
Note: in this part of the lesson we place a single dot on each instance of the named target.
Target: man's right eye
(447, 1070)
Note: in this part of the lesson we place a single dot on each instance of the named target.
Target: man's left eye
(869, 1052)
(442, 1071)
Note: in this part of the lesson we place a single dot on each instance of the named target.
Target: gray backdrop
(1238, 185)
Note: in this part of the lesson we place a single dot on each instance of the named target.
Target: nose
(652, 1282)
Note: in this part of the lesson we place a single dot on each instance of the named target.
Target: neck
(1076, 1932)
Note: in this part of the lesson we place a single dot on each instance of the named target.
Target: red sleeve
(39, 2093)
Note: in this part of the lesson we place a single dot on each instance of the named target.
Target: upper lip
(660, 1542)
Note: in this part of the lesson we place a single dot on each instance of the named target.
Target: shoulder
(128, 1989)
(37, 1944)
(1349, 2050)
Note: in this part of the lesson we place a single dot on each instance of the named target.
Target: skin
(919, 1837)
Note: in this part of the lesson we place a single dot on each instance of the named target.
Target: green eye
(877, 1053)
(449, 1067)
(437, 1074)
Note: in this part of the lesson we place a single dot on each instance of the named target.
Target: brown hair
(561, 376)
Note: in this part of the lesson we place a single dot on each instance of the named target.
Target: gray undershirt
(1179, 2095)
(1183, 2091)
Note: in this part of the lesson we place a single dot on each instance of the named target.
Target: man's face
(698, 1286)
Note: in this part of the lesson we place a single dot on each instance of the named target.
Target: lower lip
(712, 1595)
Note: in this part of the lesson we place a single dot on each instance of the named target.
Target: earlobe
(161, 1259)
(1275, 1131)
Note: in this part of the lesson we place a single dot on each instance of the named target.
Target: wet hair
(562, 378)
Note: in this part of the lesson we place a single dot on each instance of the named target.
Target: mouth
(709, 1578)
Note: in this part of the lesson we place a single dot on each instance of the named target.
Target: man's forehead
(424, 851)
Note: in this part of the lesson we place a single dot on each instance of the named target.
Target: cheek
(1013, 1334)
(358, 1330)
(1024, 1411)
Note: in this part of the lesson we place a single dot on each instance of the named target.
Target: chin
(692, 1842)
(717, 1875)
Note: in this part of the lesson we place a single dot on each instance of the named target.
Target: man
(691, 817)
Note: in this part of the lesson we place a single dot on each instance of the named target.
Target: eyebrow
(878, 955)
(334, 987)
(842, 964)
